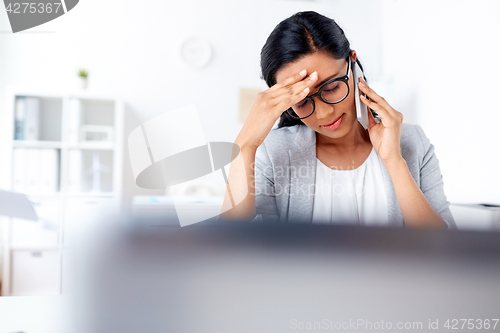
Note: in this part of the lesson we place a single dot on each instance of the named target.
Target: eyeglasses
(332, 92)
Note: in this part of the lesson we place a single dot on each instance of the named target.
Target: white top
(353, 196)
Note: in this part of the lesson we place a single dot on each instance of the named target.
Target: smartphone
(361, 109)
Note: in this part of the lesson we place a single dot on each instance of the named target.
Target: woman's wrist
(245, 145)
(395, 164)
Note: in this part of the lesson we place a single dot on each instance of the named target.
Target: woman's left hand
(385, 136)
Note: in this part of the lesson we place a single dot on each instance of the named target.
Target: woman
(320, 165)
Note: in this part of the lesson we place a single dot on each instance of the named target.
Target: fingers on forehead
(292, 79)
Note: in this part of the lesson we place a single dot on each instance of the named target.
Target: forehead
(321, 62)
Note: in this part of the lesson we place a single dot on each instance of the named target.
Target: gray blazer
(285, 174)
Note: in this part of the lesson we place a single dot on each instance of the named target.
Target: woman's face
(327, 68)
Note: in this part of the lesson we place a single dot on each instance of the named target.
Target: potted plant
(83, 75)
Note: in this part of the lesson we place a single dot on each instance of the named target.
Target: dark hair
(301, 34)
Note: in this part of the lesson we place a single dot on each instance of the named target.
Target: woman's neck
(356, 138)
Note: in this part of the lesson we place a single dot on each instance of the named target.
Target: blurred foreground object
(218, 276)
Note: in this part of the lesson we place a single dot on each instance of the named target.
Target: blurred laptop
(218, 276)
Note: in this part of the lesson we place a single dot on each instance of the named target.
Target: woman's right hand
(239, 200)
(270, 104)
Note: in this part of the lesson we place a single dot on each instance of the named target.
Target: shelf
(60, 145)
(33, 248)
(89, 96)
(91, 195)
(92, 146)
(37, 144)
(37, 117)
(39, 196)
(73, 142)
(58, 93)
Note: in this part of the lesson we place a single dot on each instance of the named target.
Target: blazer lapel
(302, 176)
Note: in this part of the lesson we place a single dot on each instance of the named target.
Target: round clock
(196, 52)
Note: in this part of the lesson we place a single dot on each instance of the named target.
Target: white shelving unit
(34, 252)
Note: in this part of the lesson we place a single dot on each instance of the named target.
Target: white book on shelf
(19, 119)
(32, 171)
(19, 170)
(48, 171)
(74, 119)
(32, 119)
(74, 170)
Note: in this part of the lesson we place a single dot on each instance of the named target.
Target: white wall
(132, 50)
(444, 55)
(416, 54)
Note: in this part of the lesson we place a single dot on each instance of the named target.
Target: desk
(35, 314)
(476, 217)
(162, 210)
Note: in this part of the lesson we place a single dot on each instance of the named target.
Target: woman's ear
(353, 56)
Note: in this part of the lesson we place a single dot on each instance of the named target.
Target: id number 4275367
(471, 324)
(33, 7)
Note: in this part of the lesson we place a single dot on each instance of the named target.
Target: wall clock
(196, 52)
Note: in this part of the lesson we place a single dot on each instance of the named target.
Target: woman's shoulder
(284, 132)
(288, 136)
(281, 140)
(414, 142)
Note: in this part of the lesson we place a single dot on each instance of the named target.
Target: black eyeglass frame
(344, 78)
